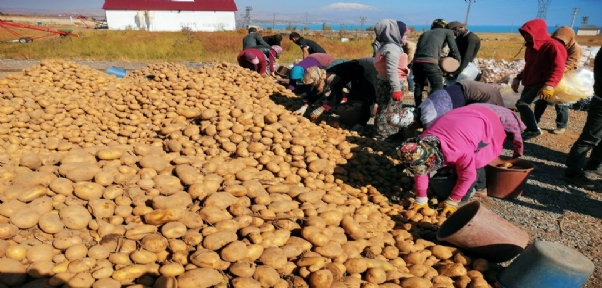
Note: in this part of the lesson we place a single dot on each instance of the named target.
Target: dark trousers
(523, 105)
(479, 184)
(425, 73)
(562, 113)
(589, 139)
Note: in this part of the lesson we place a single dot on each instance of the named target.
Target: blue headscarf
(297, 73)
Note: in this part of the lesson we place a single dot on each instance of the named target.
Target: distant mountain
(46, 12)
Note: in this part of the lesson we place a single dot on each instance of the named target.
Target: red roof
(196, 5)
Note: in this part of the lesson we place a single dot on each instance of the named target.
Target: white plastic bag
(574, 86)
(469, 73)
(510, 97)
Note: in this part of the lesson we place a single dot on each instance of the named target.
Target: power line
(542, 12)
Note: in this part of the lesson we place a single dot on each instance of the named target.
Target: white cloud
(342, 6)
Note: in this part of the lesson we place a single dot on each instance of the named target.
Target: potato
(218, 240)
(356, 265)
(243, 269)
(452, 270)
(76, 252)
(273, 257)
(321, 278)
(266, 275)
(79, 171)
(98, 252)
(481, 265)
(200, 278)
(75, 217)
(10, 207)
(62, 186)
(154, 243)
(106, 283)
(245, 282)
(354, 230)
(234, 251)
(415, 282)
(441, 252)
(109, 154)
(12, 272)
(171, 269)
(208, 259)
(140, 231)
(143, 257)
(25, 218)
(40, 269)
(129, 273)
(162, 216)
(8, 230)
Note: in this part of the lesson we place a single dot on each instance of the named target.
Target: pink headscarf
(251, 57)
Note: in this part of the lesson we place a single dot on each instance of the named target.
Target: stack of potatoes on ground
(199, 180)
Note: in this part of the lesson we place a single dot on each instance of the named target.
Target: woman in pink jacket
(467, 138)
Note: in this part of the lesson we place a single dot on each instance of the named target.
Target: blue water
(352, 27)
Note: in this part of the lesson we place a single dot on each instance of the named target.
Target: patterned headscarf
(316, 77)
(422, 155)
(404, 119)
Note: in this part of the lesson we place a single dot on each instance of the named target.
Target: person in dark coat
(307, 46)
(468, 45)
(426, 59)
(352, 80)
(590, 139)
(253, 40)
(273, 39)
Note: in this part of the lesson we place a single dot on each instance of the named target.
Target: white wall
(588, 32)
(174, 20)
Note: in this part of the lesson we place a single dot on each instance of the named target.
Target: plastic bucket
(442, 186)
(547, 265)
(507, 182)
(119, 72)
(482, 232)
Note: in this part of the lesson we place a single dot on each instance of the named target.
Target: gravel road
(549, 209)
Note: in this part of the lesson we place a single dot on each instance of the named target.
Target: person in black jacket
(590, 139)
(468, 45)
(307, 46)
(427, 56)
(273, 40)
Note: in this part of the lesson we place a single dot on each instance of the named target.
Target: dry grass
(141, 46)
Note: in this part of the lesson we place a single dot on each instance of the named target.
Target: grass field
(142, 46)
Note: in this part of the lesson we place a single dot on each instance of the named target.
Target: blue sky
(483, 12)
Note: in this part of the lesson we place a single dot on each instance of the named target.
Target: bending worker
(444, 100)
(450, 141)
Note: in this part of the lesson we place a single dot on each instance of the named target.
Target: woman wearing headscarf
(296, 74)
(442, 101)
(391, 63)
(566, 36)
(254, 59)
(467, 138)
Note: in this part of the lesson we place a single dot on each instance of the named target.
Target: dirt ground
(549, 209)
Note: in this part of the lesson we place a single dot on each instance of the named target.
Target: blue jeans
(562, 113)
(523, 105)
(590, 139)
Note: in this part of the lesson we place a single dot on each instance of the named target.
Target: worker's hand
(515, 84)
(316, 113)
(397, 95)
(449, 206)
(546, 92)
(415, 206)
(301, 110)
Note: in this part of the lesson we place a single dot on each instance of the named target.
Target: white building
(171, 15)
(591, 30)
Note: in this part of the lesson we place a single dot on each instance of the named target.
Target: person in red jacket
(545, 59)
(256, 60)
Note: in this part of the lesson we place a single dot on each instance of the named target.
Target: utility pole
(468, 10)
(274, 22)
(362, 21)
(542, 12)
(248, 10)
(575, 11)
(303, 29)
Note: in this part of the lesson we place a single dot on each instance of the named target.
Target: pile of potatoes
(196, 178)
